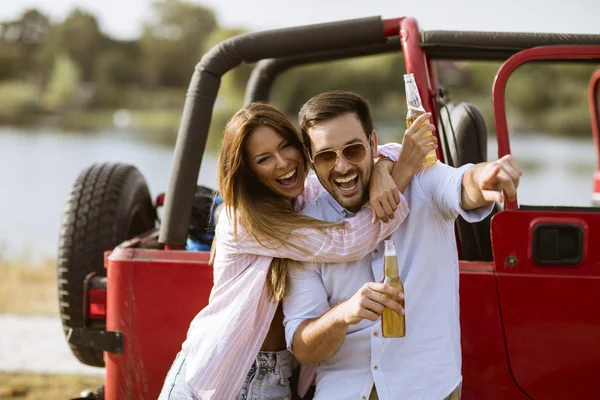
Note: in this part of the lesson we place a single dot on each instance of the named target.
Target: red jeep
(529, 276)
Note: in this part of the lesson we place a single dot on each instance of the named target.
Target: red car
(529, 275)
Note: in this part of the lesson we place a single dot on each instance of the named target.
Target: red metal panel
(152, 297)
(499, 88)
(417, 63)
(486, 374)
(550, 313)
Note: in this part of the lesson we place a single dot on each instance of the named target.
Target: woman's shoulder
(229, 226)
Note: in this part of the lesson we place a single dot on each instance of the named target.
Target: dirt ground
(28, 289)
(31, 386)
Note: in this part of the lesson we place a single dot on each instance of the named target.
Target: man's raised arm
(484, 183)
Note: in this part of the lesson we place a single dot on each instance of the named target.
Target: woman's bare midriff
(275, 340)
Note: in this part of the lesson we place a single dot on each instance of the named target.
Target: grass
(45, 386)
(18, 102)
(156, 126)
(87, 120)
(28, 289)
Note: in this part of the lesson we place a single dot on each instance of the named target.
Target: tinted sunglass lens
(355, 153)
(325, 160)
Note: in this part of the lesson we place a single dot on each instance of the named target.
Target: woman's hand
(415, 147)
(383, 192)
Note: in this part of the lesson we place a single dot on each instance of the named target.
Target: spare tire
(109, 203)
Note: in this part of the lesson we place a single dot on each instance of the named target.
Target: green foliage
(64, 84)
(85, 120)
(540, 97)
(550, 98)
(20, 41)
(157, 126)
(115, 66)
(18, 102)
(84, 75)
(8, 63)
(159, 99)
(162, 126)
(80, 36)
(377, 78)
(115, 74)
(172, 42)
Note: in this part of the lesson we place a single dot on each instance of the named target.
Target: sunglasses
(353, 153)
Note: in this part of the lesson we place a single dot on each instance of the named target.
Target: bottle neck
(413, 99)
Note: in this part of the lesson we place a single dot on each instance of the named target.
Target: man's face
(346, 181)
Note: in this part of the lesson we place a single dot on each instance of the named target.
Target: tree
(64, 84)
(117, 71)
(173, 40)
(21, 40)
(81, 37)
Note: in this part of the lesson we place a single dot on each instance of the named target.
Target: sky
(123, 18)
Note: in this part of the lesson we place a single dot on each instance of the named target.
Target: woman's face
(275, 162)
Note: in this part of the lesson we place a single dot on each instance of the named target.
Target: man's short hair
(332, 104)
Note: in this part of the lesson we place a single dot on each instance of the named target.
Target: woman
(235, 346)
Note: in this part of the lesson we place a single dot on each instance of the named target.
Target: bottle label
(412, 97)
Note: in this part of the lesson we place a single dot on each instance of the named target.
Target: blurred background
(83, 81)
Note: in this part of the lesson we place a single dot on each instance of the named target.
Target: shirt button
(364, 398)
(375, 333)
(376, 251)
(376, 367)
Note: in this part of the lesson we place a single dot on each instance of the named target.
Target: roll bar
(204, 86)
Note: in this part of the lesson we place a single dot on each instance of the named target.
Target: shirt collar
(337, 207)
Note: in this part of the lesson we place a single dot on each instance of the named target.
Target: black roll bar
(465, 45)
(204, 86)
(266, 71)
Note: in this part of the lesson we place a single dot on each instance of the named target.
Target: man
(332, 310)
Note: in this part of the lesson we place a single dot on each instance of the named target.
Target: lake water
(37, 171)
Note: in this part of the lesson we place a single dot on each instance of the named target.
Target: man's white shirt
(426, 364)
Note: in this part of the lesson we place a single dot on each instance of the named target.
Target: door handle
(557, 244)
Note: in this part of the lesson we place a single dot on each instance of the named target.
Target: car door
(548, 274)
(547, 263)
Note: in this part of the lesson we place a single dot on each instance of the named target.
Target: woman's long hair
(269, 217)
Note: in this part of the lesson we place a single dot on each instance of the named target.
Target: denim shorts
(268, 378)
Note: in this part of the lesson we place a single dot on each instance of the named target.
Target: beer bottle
(415, 109)
(392, 323)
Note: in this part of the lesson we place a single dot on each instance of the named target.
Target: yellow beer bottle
(415, 109)
(392, 323)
